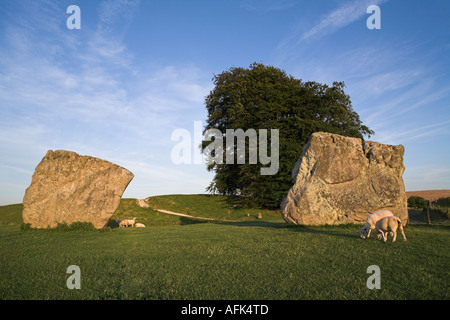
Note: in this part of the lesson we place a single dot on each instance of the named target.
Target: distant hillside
(429, 194)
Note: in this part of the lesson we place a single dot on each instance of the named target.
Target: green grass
(436, 216)
(213, 206)
(11, 214)
(251, 259)
(203, 206)
(128, 209)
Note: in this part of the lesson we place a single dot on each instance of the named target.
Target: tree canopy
(266, 97)
(418, 202)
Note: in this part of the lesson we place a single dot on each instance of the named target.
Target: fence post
(428, 214)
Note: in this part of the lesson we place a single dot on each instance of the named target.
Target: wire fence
(433, 214)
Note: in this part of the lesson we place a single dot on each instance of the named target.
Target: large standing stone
(341, 180)
(67, 188)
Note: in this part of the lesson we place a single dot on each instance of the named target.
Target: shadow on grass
(347, 231)
(187, 221)
(424, 225)
(260, 224)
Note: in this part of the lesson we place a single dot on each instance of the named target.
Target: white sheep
(140, 225)
(126, 223)
(389, 224)
(123, 223)
(372, 220)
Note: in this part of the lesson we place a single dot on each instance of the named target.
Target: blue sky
(137, 70)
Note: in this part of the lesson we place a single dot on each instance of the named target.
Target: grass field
(253, 259)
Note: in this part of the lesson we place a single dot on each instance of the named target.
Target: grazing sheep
(372, 220)
(126, 223)
(140, 225)
(389, 224)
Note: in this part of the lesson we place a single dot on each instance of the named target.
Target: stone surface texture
(341, 180)
(68, 188)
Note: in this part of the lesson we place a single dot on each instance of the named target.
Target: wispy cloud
(106, 41)
(391, 84)
(340, 17)
(83, 91)
(309, 30)
(402, 135)
(105, 88)
(422, 94)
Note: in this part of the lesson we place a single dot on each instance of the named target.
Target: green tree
(265, 97)
(418, 202)
(442, 202)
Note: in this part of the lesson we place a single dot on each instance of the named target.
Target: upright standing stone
(341, 180)
(67, 188)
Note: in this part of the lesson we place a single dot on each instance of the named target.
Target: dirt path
(144, 204)
(193, 217)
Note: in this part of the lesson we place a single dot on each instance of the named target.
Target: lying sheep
(372, 220)
(126, 223)
(389, 224)
(140, 225)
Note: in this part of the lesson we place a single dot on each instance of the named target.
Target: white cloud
(402, 134)
(340, 17)
(302, 41)
(394, 103)
(93, 100)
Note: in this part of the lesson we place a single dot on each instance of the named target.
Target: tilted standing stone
(67, 188)
(340, 180)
